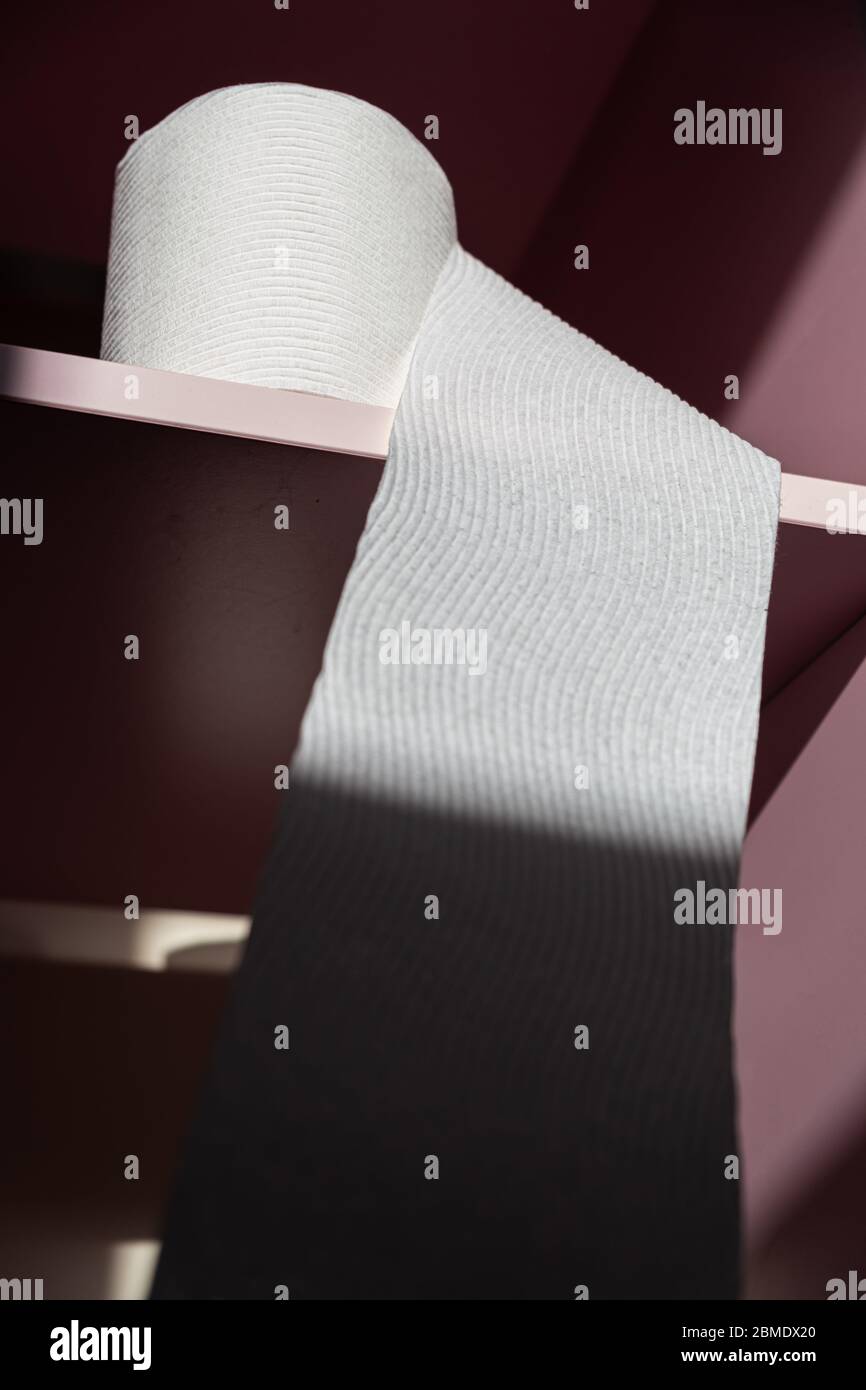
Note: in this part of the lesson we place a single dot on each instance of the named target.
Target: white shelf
(209, 942)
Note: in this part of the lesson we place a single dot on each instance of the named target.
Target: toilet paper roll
(473, 1051)
(279, 235)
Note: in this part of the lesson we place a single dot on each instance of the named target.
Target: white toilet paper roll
(278, 235)
(533, 730)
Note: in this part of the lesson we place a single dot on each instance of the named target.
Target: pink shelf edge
(38, 377)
